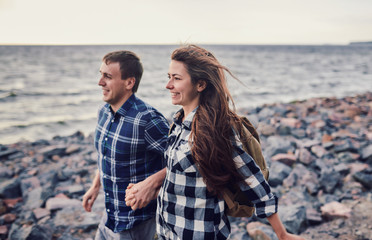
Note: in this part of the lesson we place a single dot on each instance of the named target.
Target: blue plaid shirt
(186, 210)
(130, 145)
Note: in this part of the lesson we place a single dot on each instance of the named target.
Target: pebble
(335, 210)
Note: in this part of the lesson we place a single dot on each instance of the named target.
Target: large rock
(300, 176)
(50, 151)
(40, 213)
(318, 151)
(265, 113)
(329, 180)
(276, 144)
(278, 172)
(295, 196)
(72, 190)
(335, 210)
(10, 188)
(304, 156)
(34, 199)
(31, 232)
(5, 152)
(77, 217)
(28, 184)
(291, 122)
(5, 172)
(345, 146)
(367, 154)
(287, 159)
(364, 177)
(313, 216)
(293, 218)
(61, 202)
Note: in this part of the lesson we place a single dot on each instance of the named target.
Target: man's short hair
(130, 65)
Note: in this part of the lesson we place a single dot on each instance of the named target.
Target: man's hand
(89, 197)
(140, 194)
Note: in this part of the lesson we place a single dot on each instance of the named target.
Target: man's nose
(101, 82)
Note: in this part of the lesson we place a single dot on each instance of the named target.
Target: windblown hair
(130, 65)
(214, 121)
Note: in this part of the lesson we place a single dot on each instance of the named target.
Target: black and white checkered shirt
(186, 210)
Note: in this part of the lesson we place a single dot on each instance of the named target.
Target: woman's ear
(201, 86)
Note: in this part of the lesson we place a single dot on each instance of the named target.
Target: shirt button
(105, 139)
(108, 210)
(112, 120)
(107, 194)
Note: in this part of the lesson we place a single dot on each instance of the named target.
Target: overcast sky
(185, 21)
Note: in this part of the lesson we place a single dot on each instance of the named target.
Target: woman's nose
(169, 84)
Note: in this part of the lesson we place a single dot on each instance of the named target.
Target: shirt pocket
(183, 161)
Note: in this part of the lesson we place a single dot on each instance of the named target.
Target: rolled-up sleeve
(254, 184)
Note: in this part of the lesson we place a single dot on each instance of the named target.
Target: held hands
(140, 194)
(130, 199)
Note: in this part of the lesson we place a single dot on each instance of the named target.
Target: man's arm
(140, 194)
(91, 195)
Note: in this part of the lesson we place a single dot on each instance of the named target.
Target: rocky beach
(319, 152)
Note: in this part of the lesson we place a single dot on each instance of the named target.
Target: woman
(204, 154)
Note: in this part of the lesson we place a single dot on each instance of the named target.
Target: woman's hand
(289, 236)
(130, 198)
(280, 230)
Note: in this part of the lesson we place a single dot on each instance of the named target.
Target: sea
(48, 91)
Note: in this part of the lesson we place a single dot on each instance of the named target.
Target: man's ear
(130, 82)
(202, 84)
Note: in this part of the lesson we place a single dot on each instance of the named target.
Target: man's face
(114, 89)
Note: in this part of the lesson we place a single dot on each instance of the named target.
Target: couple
(186, 171)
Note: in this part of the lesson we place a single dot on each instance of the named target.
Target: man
(130, 139)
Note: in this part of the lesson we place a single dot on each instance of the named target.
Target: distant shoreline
(369, 43)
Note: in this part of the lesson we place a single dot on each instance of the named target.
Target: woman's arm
(280, 230)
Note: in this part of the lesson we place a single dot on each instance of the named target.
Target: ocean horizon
(51, 90)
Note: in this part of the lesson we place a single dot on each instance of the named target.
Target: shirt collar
(177, 118)
(125, 107)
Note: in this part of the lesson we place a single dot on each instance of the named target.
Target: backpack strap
(249, 126)
(171, 128)
(252, 146)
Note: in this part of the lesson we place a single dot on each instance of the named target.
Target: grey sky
(178, 21)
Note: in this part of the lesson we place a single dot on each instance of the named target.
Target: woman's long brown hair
(214, 121)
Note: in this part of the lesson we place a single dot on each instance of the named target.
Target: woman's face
(183, 92)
